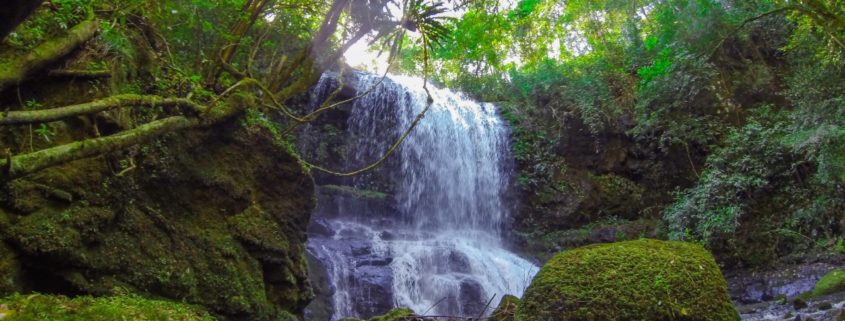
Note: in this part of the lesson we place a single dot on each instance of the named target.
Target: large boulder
(634, 280)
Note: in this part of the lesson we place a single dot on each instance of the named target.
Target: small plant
(44, 131)
(32, 104)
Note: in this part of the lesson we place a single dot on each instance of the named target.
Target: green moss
(354, 192)
(10, 270)
(257, 228)
(506, 309)
(832, 282)
(394, 315)
(633, 280)
(60, 308)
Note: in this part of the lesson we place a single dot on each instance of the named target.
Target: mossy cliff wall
(212, 217)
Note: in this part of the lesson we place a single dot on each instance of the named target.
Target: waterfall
(424, 230)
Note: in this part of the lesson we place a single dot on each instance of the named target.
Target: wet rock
(387, 236)
(824, 306)
(320, 227)
(472, 298)
(360, 248)
(373, 289)
(790, 280)
(380, 261)
(458, 262)
(799, 304)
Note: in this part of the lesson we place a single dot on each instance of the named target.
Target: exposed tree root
(45, 54)
(59, 113)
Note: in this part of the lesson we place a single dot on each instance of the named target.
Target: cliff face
(214, 217)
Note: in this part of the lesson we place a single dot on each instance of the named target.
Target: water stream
(430, 238)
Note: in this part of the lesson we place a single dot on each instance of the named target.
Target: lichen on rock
(633, 280)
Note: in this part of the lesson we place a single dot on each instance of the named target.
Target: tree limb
(113, 102)
(45, 54)
(21, 165)
(73, 73)
(747, 21)
(27, 163)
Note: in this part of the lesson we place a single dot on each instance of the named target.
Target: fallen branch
(22, 165)
(45, 54)
(47, 115)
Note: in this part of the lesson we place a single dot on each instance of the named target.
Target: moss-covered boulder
(832, 282)
(396, 314)
(506, 309)
(59, 308)
(635, 280)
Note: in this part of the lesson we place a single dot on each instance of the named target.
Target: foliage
(751, 158)
(739, 100)
(61, 16)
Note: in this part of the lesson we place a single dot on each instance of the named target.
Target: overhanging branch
(54, 114)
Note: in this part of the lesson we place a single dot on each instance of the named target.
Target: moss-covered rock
(396, 314)
(10, 270)
(506, 309)
(210, 217)
(832, 282)
(634, 280)
(59, 308)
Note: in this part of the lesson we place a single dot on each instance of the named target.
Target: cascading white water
(437, 247)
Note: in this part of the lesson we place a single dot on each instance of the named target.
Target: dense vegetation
(145, 151)
(714, 121)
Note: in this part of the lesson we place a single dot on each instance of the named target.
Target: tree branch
(113, 102)
(747, 21)
(21, 165)
(45, 54)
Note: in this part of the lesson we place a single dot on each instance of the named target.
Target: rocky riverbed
(771, 294)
